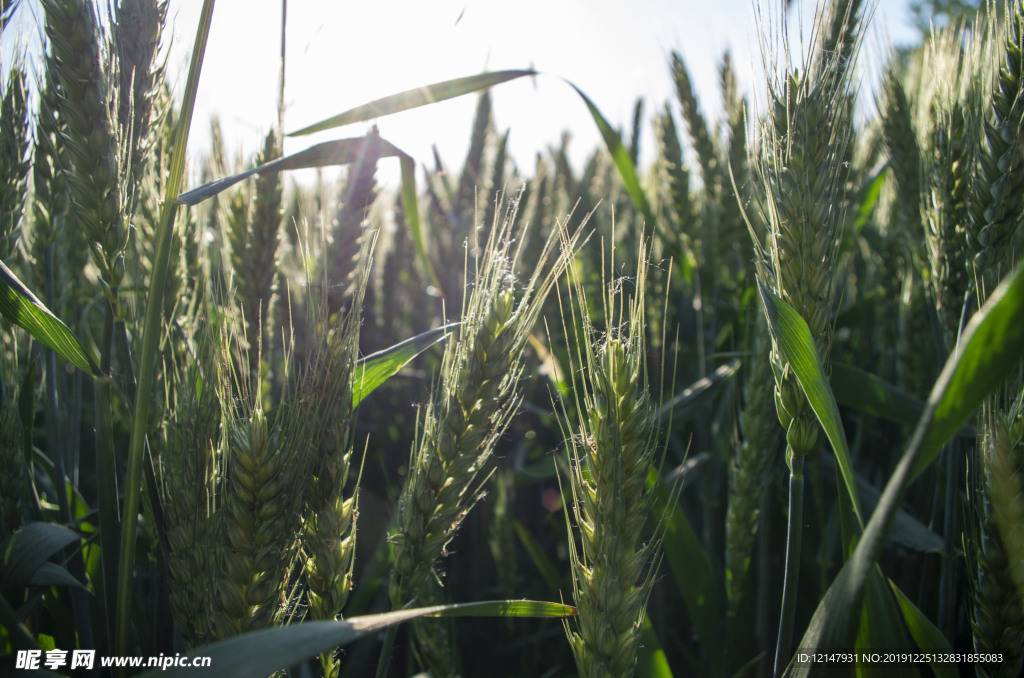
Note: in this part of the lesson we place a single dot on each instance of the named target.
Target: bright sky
(342, 54)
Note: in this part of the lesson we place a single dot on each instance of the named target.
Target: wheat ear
(611, 455)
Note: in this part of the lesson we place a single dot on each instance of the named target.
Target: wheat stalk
(802, 173)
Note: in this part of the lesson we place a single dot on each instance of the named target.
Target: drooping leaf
(24, 309)
(261, 653)
(414, 98)
(376, 368)
(326, 154)
(52, 574)
(620, 157)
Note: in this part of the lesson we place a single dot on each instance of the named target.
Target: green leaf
(24, 309)
(869, 393)
(793, 337)
(907, 529)
(152, 332)
(263, 652)
(865, 392)
(327, 154)
(376, 368)
(991, 348)
(414, 98)
(692, 571)
(25, 552)
(506, 608)
(993, 345)
(925, 633)
(52, 574)
(881, 626)
(623, 163)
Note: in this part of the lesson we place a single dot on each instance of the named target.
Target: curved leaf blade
(992, 347)
(415, 98)
(696, 395)
(376, 368)
(620, 156)
(263, 652)
(52, 574)
(24, 309)
(25, 552)
(326, 154)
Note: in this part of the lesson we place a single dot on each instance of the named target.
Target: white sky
(341, 53)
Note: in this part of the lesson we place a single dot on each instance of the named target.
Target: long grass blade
(261, 653)
(865, 392)
(151, 337)
(620, 156)
(327, 154)
(925, 633)
(414, 98)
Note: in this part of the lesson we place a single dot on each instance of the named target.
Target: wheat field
(754, 409)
